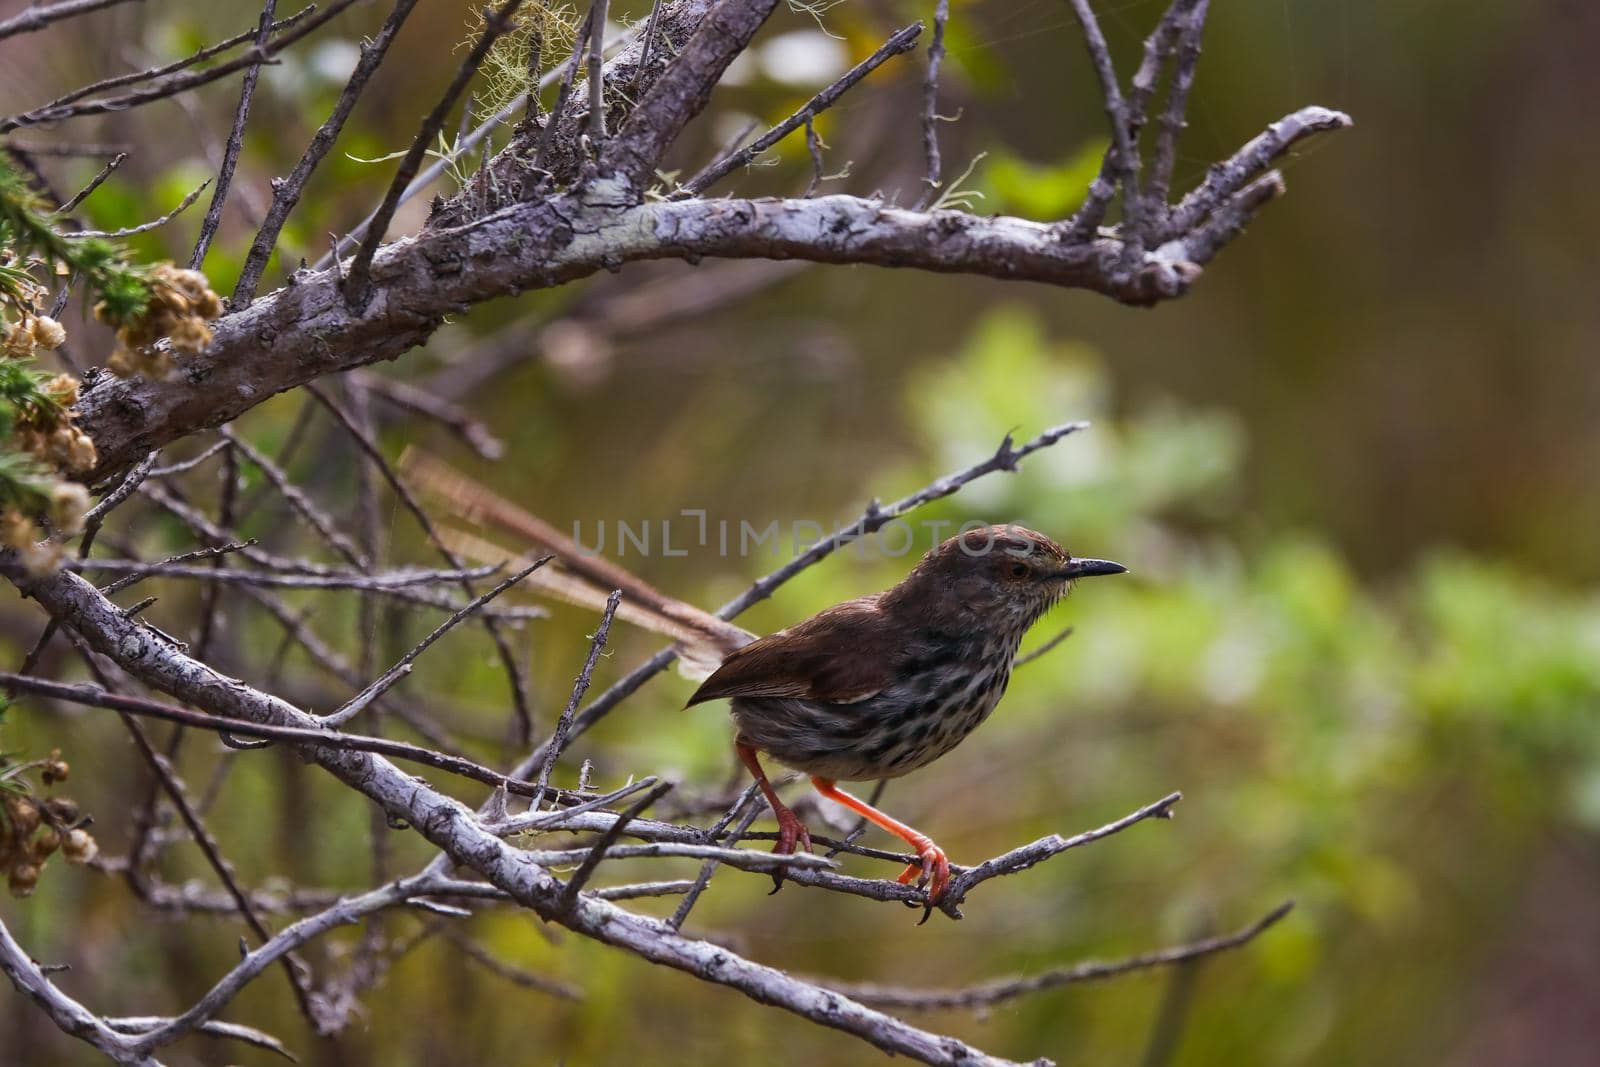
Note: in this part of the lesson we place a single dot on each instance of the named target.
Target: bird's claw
(932, 874)
(792, 834)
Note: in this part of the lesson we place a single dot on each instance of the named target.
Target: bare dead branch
(377, 582)
(38, 16)
(98, 697)
(1225, 179)
(1186, 20)
(180, 82)
(149, 74)
(535, 245)
(1123, 159)
(249, 1035)
(69, 1015)
(988, 994)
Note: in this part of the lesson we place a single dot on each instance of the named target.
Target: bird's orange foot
(792, 834)
(933, 873)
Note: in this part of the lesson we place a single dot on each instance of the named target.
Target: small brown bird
(881, 685)
(872, 688)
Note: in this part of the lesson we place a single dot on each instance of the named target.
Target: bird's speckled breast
(907, 725)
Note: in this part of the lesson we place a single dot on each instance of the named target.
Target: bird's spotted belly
(892, 733)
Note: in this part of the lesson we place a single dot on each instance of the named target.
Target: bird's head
(1000, 573)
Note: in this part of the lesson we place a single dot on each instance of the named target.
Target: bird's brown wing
(845, 654)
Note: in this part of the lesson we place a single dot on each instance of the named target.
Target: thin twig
(592, 857)
(580, 686)
(559, 108)
(1042, 649)
(297, 499)
(645, 47)
(184, 466)
(1020, 859)
(930, 105)
(230, 155)
(94, 183)
(373, 582)
(144, 227)
(597, 73)
(902, 41)
(402, 667)
(358, 280)
(286, 193)
(1124, 159)
(153, 569)
(501, 969)
(295, 969)
(680, 915)
(457, 419)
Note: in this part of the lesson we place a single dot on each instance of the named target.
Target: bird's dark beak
(1089, 568)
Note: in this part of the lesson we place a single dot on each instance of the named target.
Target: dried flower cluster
(46, 430)
(31, 333)
(42, 440)
(33, 828)
(68, 505)
(179, 312)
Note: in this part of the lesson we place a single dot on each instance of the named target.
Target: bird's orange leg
(791, 831)
(935, 866)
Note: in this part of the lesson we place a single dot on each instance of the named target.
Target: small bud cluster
(180, 310)
(34, 828)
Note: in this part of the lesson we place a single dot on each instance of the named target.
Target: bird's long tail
(575, 576)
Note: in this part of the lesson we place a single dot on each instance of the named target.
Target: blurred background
(1355, 473)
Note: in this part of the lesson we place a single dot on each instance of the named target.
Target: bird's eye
(1019, 570)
